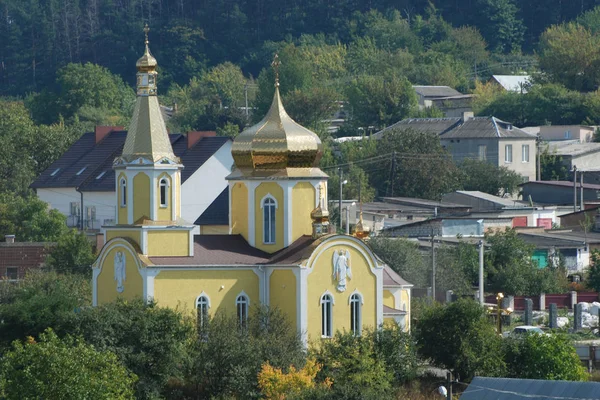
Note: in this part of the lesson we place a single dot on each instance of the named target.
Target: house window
(508, 153)
(123, 192)
(74, 206)
(202, 306)
(12, 273)
(326, 315)
(567, 134)
(525, 156)
(241, 304)
(355, 314)
(163, 192)
(269, 207)
(482, 150)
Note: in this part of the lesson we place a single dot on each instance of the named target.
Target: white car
(522, 329)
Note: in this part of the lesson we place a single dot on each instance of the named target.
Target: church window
(163, 192)
(355, 314)
(326, 316)
(242, 309)
(202, 306)
(269, 205)
(123, 192)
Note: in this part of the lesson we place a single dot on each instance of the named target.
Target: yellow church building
(278, 251)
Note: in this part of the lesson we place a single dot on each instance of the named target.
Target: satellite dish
(442, 390)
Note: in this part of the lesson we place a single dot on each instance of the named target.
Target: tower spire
(275, 64)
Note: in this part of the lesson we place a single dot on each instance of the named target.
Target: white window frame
(163, 183)
(482, 156)
(327, 302)
(123, 186)
(356, 302)
(269, 205)
(242, 306)
(508, 154)
(525, 151)
(202, 301)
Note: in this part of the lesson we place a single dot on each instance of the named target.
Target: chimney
(9, 238)
(467, 115)
(103, 131)
(195, 136)
(99, 241)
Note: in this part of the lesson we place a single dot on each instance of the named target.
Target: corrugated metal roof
(424, 125)
(436, 91)
(562, 183)
(494, 199)
(513, 83)
(573, 148)
(482, 388)
(485, 127)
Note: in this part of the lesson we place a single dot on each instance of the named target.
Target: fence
(541, 302)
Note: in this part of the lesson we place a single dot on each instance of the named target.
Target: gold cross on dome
(275, 64)
(146, 30)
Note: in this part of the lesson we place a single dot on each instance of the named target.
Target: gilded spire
(275, 64)
(147, 62)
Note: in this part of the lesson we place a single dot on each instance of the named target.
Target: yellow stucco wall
(122, 211)
(282, 289)
(179, 289)
(164, 213)
(141, 196)
(321, 279)
(125, 233)
(303, 202)
(107, 286)
(388, 299)
(405, 299)
(273, 189)
(214, 229)
(168, 243)
(239, 210)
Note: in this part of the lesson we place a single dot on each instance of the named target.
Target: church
(278, 252)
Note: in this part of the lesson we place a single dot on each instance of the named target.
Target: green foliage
(592, 279)
(404, 257)
(457, 268)
(72, 253)
(352, 363)
(29, 219)
(41, 300)
(66, 368)
(548, 357)
(553, 166)
(398, 351)
(488, 178)
(460, 338)
(226, 359)
(149, 340)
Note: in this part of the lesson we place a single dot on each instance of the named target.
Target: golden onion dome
(147, 62)
(277, 142)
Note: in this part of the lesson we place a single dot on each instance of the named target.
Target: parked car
(524, 329)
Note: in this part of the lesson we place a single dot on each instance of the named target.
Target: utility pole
(340, 201)
(581, 207)
(393, 173)
(449, 391)
(574, 188)
(432, 265)
(538, 155)
(481, 272)
(246, 96)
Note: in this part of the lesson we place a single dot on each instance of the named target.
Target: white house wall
(105, 207)
(201, 189)
(59, 198)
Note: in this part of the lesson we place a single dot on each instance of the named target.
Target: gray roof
(392, 279)
(561, 184)
(424, 125)
(485, 127)
(573, 148)
(482, 388)
(513, 83)
(436, 91)
(494, 199)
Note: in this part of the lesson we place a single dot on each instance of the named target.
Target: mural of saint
(341, 268)
(120, 270)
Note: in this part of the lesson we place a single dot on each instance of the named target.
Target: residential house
(450, 101)
(16, 258)
(483, 138)
(449, 227)
(584, 156)
(578, 133)
(81, 183)
(512, 83)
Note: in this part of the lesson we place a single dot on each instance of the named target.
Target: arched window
(326, 316)
(123, 192)
(202, 306)
(356, 314)
(164, 184)
(241, 304)
(269, 206)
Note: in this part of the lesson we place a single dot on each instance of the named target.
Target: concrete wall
(525, 169)
(469, 148)
(567, 132)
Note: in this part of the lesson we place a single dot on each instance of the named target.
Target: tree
(488, 178)
(552, 165)
(29, 219)
(457, 268)
(41, 300)
(351, 363)
(275, 384)
(404, 257)
(398, 351)
(459, 337)
(73, 253)
(150, 341)
(548, 357)
(66, 368)
(592, 279)
(502, 28)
